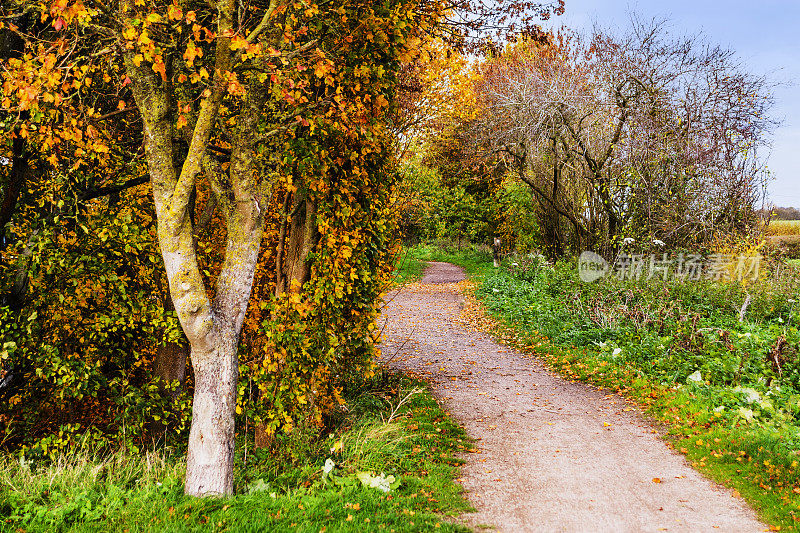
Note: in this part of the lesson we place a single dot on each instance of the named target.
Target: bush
(78, 354)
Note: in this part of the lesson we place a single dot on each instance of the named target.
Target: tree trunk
(19, 173)
(170, 360)
(212, 329)
(298, 237)
(170, 365)
(209, 465)
(298, 241)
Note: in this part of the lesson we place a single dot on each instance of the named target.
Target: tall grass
(83, 487)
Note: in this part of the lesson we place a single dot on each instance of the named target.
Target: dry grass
(783, 228)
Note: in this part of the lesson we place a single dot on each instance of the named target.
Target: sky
(766, 36)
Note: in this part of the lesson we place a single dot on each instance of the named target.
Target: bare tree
(642, 134)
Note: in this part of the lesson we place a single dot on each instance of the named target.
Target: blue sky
(766, 36)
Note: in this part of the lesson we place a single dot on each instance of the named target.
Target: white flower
(658, 242)
(514, 264)
(747, 414)
(382, 482)
(628, 240)
(329, 466)
(616, 352)
(719, 409)
(495, 290)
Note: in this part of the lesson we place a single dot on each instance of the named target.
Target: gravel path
(552, 455)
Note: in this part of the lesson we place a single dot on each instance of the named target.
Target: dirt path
(553, 455)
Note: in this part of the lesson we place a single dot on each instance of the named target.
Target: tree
(259, 59)
(278, 108)
(616, 133)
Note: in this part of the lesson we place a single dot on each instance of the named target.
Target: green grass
(477, 262)
(394, 427)
(740, 423)
(409, 269)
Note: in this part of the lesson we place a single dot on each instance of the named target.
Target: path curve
(552, 455)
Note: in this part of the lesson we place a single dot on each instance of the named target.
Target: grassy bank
(389, 466)
(729, 391)
(408, 270)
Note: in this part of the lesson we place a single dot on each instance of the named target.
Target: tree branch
(91, 194)
(208, 112)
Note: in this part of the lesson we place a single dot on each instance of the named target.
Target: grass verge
(391, 467)
(408, 270)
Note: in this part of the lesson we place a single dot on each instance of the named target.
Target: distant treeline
(785, 213)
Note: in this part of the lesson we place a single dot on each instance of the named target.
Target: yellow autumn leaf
(238, 42)
(129, 33)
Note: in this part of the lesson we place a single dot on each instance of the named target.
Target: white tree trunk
(209, 465)
(212, 330)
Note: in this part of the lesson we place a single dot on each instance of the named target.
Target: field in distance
(780, 228)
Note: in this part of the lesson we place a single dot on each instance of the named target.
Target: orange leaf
(174, 12)
(161, 68)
